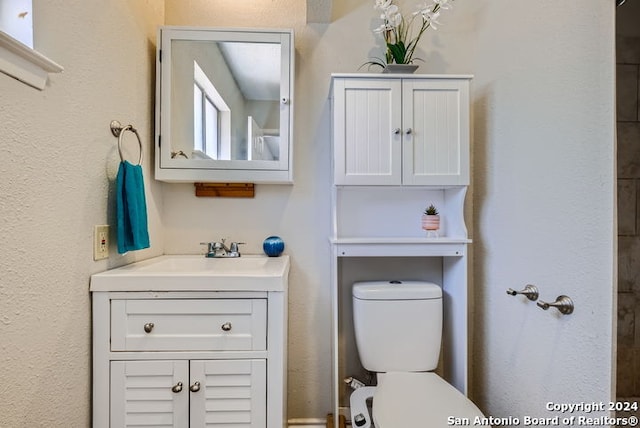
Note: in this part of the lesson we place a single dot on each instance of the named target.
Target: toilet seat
(419, 400)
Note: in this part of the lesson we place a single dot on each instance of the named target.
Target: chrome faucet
(220, 250)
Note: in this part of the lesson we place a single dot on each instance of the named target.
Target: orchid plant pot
(399, 68)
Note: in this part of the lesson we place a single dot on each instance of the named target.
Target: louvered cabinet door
(228, 393)
(149, 393)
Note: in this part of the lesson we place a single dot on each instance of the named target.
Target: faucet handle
(211, 248)
(233, 247)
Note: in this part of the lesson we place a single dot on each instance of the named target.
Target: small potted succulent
(431, 220)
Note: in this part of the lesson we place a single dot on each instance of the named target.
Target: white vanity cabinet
(186, 357)
(400, 130)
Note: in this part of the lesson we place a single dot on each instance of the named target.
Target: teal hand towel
(131, 209)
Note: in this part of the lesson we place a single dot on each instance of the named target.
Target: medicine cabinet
(224, 103)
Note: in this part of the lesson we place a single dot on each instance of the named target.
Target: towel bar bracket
(116, 128)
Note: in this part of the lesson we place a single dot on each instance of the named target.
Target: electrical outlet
(101, 242)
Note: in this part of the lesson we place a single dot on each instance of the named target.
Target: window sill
(25, 64)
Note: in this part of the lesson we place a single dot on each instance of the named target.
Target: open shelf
(400, 246)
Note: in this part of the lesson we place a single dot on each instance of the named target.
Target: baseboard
(307, 423)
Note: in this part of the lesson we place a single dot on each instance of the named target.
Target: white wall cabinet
(410, 130)
(189, 359)
(400, 143)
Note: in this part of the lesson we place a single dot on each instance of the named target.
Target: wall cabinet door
(435, 120)
(392, 131)
(367, 131)
(184, 394)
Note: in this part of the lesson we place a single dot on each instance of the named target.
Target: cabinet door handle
(148, 327)
(409, 131)
(195, 387)
(226, 326)
(396, 131)
(177, 387)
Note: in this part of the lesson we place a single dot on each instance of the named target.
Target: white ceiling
(256, 67)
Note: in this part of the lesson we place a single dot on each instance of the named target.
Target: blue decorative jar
(273, 246)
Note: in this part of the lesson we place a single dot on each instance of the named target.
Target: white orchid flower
(382, 4)
(432, 19)
(394, 18)
(382, 29)
(444, 4)
(400, 35)
(391, 11)
(424, 8)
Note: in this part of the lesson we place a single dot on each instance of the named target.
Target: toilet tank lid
(396, 290)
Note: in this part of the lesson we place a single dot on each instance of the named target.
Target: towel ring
(118, 131)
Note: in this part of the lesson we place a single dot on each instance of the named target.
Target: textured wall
(544, 193)
(56, 181)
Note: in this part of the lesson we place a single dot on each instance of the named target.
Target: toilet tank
(398, 325)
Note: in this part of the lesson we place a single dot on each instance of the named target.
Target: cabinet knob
(148, 327)
(195, 387)
(226, 326)
(177, 387)
(409, 131)
(396, 131)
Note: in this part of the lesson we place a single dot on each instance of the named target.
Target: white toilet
(398, 328)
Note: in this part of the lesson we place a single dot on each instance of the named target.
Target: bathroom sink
(196, 272)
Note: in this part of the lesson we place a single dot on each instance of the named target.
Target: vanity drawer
(189, 325)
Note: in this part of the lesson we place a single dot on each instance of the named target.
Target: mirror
(223, 106)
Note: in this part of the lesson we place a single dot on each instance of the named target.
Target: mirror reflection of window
(210, 113)
(205, 124)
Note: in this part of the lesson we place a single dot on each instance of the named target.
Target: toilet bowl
(398, 328)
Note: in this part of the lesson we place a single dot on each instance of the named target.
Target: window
(206, 123)
(18, 59)
(211, 117)
(16, 20)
